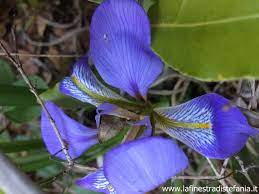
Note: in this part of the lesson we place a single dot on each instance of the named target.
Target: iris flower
(120, 49)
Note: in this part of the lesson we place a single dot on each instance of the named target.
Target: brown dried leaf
(110, 127)
(40, 26)
(28, 64)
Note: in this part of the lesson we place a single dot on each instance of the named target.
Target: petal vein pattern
(96, 181)
(140, 166)
(120, 47)
(209, 124)
(77, 137)
(84, 86)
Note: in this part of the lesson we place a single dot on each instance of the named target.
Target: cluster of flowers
(120, 49)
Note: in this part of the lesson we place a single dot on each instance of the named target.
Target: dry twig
(18, 66)
(224, 166)
(42, 55)
(58, 25)
(222, 181)
(66, 36)
(244, 171)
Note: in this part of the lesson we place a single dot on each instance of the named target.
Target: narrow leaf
(37, 82)
(16, 96)
(18, 146)
(6, 74)
(23, 114)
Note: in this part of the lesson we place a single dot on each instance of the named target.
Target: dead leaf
(110, 127)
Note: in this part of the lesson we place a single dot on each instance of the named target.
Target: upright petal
(142, 165)
(126, 64)
(209, 124)
(84, 86)
(120, 47)
(115, 17)
(76, 136)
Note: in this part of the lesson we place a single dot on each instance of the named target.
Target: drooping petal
(96, 181)
(77, 137)
(209, 124)
(84, 85)
(144, 164)
(120, 47)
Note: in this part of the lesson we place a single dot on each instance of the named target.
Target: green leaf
(210, 40)
(96, 1)
(1, 191)
(37, 82)
(148, 3)
(53, 94)
(49, 171)
(16, 96)
(23, 114)
(32, 158)
(38, 163)
(4, 109)
(6, 74)
(18, 146)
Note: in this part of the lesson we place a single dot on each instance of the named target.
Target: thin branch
(200, 170)
(215, 178)
(196, 177)
(185, 88)
(56, 41)
(18, 66)
(253, 100)
(176, 90)
(222, 181)
(244, 171)
(84, 169)
(248, 168)
(224, 166)
(164, 78)
(43, 55)
(59, 25)
(212, 167)
(160, 92)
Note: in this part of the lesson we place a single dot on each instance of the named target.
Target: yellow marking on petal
(200, 125)
(110, 188)
(164, 121)
(120, 102)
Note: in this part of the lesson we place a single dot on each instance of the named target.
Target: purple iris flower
(76, 136)
(120, 48)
